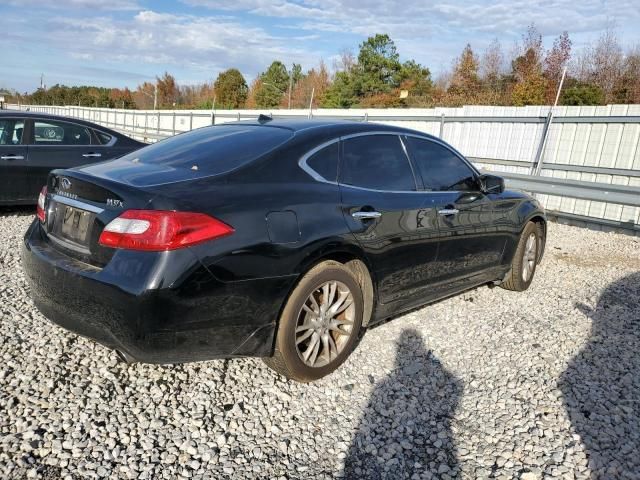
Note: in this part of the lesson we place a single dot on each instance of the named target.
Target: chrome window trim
(316, 176)
(448, 147)
(70, 202)
(305, 166)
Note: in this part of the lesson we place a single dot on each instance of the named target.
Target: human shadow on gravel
(406, 427)
(601, 386)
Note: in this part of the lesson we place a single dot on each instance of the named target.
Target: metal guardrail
(593, 191)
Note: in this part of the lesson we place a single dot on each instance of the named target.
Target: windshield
(213, 150)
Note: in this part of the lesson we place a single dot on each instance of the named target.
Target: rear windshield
(213, 150)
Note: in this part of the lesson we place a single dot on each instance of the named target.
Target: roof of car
(324, 124)
(29, 113)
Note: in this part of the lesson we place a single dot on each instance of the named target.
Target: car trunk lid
(79, 206)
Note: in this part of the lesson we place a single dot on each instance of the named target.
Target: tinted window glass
(213, 150)
(441, 169)
(325, 162)
(11, 131)
(377, 162)
(103, 137)
(60, 133)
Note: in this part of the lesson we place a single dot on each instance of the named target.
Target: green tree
(415, 78)
(231, 89)
(581, 93)
(273, 84)
(379, 66)
(341, 93)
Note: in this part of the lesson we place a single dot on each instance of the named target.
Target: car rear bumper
(196, 317)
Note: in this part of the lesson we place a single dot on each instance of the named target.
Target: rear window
(213, 150)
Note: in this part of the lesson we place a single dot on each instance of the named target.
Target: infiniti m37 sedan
(277, 239)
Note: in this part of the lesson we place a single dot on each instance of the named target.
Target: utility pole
(290, 86)
(155, 96)
(313, 90)
(536, 168)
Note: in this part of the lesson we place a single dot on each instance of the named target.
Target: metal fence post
(536, 168)
(441, 134)
(190, 121)
(174, 122)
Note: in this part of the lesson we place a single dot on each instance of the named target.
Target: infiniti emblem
(66, 183)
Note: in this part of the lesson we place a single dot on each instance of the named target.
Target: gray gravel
(490, 384)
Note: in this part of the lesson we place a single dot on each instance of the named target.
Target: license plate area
(72, 226)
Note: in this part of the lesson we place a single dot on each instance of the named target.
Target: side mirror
(491, 184)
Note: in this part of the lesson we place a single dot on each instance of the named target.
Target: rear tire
(319, 325)
(523, 267)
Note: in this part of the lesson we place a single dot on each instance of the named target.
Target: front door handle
(448, 211)
(362, 215)
(12, 157)
(91, 155)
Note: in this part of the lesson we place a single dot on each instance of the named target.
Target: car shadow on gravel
(601, 386)
(406, 426)
(20, 210)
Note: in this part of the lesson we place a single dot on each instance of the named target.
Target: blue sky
(125, 42)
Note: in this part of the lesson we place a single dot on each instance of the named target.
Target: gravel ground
(490, 384)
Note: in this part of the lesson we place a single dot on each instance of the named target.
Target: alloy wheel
(529, 257)
(325, 324)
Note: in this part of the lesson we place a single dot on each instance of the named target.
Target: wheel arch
(540, 220)
(353, 258)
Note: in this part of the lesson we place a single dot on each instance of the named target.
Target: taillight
(157, 230)
(40, 212)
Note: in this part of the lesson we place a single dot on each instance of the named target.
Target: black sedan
(277, 239)
(33, 144)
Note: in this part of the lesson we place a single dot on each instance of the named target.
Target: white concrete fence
(575, 145)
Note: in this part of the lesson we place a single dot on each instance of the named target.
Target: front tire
(319, 325)
(525, 259)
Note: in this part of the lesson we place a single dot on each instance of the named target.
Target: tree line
(601, 73)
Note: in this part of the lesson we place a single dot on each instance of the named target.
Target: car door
(471, 226)
(59, 144)
(14, 178)
(391, 219)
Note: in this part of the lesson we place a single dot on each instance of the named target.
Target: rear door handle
(361, 215)
(91, 155)
(12, 157)
(448, 211)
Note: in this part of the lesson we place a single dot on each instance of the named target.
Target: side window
(103, 137)
(441, 169)
(60, 133)
(325, 162)
(377, 162)
(11, 131)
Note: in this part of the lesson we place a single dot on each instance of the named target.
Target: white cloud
(401, 18)
(207, 44)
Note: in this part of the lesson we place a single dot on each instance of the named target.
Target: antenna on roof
(264, 118)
